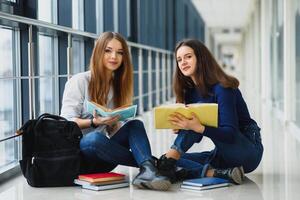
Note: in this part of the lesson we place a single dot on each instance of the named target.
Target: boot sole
(158, 185)
(238, 175)
(153, 185)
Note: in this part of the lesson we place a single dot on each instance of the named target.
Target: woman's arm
(83, 123)
(73, 101)
(73, 98)
(228, 118)
(96, 121)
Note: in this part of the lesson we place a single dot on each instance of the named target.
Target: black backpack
(50, 151)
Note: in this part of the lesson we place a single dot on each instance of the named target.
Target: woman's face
(186, 61)
(113, 55)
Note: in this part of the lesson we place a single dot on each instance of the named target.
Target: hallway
(43, 43)
(277, 177)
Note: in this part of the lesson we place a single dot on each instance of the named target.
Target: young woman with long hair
(199, 79)
(107, 141)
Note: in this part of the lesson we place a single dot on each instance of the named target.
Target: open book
(207, 113)
(125, 112)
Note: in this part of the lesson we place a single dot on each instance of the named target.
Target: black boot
(167, 167)
(149, 178)
(235, 174)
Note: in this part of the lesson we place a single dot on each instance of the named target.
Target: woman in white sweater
(106, 142)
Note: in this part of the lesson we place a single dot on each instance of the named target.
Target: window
(78, 56)
(77, 43)
(99, 16)
(277, 55)
(297, 38)
(77, 14)
(46, 71)
(47, 10)
(46, 83)
(8, 100)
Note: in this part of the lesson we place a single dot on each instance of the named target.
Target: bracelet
(92, 123)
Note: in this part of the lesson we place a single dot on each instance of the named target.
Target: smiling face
(186, 61)
(113, 55)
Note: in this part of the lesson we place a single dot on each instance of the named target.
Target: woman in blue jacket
(238, 148)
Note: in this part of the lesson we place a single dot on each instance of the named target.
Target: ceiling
(225, 13)
(225, 18)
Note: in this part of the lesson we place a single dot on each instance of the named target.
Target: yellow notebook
(207, 113)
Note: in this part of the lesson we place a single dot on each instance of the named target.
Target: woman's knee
(94, 140)
(135, 124)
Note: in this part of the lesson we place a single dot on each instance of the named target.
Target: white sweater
(74, 100)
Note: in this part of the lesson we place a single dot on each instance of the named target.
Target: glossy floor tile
(278, 176)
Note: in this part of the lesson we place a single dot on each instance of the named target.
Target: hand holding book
(110, 121)
(182, 122)
(124, 112)
(207, 114)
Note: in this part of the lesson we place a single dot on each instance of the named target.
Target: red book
(101, 177)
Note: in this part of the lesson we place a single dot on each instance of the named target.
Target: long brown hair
(208, 72)
(122, 80)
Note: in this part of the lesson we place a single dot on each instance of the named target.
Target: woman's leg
(183, 142)
(198, 165)
(246, 151)
(133, 136)
(96, 146)
(195, 164)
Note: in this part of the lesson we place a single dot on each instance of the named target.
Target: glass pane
(46, 55)
(46, 96)
(6, 66)
(77, 14)
(297, 36)
(7, 110)
(7, 101)
(78, 56)
(277, 58)
(45, 84)
(279, 76)
(45, 10)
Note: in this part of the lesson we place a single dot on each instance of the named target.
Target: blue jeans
(129, 146)
(246, 151)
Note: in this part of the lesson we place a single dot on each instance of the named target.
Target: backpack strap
(8, 138)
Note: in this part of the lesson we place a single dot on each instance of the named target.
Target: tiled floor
(278, 176)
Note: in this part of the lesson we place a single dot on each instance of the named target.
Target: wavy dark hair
(208, 72)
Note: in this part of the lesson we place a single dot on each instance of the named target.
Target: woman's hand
(98, 120)
(182, 122)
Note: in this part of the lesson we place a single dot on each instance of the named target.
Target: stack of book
(102, 181)
(204, 183)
